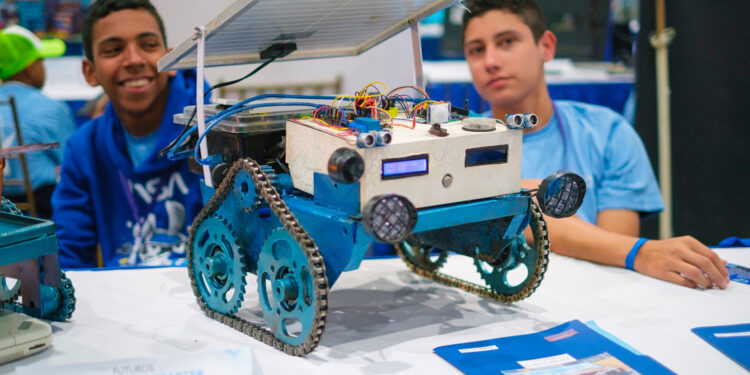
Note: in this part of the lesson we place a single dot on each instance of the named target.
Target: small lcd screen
(405, 167)
(486, 155)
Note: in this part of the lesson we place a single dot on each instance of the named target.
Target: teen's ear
(89, 72)
(548, 44)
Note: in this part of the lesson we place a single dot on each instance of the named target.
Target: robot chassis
(29, 254)
(297, 243)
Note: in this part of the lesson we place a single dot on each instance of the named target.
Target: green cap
(19, 48)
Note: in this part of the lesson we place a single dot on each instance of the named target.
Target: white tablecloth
(383, 319)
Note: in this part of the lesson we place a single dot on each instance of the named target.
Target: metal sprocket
(538, 227)
(286, 289)
(268, 194)
(420, 255)
(534, 259)
(218, 263)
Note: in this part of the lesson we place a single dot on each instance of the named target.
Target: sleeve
(628, 181)
(72, 212)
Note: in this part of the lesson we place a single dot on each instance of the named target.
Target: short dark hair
(527, 10)
(102, 8)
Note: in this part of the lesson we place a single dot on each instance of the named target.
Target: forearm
(578, 239)
(684, 260)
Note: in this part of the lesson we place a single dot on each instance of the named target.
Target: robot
(297, 225)
(294, 197)
(29, 265)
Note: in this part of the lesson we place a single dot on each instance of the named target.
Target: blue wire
(171, 155)
(219, 117)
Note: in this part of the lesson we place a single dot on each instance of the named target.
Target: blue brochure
(738, 274)
(733, 341)
(570, 348)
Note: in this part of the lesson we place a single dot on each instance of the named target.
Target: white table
(383, 319)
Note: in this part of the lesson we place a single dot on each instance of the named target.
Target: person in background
(41, 119)
(506, 45)
(117, 202)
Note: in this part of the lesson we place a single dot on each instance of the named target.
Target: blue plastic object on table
(734, 242)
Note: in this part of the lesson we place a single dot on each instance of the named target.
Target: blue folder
(733, 341)
(581, 345)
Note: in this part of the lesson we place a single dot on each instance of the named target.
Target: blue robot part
(291, 274)
(256, 222)
(518, 256)
(29, 267)
(429, 258)
(218, 263)
(9, 290)
(365, 124)
(285, 288)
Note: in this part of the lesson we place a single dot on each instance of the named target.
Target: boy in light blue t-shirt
(506, 45)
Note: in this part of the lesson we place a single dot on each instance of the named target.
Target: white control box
(426, 169)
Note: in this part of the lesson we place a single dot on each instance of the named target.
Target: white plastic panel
(320, 28)
(309, 146)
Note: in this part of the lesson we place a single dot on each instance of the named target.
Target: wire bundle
(369, 102)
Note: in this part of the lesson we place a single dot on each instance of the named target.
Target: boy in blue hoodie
(117, 202)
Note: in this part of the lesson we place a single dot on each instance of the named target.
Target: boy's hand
(684, 261)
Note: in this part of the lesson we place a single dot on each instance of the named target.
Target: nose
(134, 56)
(491, 59)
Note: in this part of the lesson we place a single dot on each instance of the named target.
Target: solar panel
(320, 28)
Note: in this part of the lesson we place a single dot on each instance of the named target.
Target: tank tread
(541, 241)
(270, 195)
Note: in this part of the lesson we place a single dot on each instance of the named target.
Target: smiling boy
(506, 45)
(115, 193)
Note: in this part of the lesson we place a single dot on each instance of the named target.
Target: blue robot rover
(296, 198)
(264, 219)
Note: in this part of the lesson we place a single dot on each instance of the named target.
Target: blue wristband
(630, 259)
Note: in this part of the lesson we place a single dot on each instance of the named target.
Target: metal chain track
(541, 242)
(269, 194)
(67, 300)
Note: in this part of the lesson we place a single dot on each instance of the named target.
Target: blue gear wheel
(67, 300)
(519, 254)
(285, 288)
(244, 190)
(496, 276)
(218, 263)
(423, 256)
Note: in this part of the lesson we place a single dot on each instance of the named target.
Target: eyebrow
(147, 34)
(497, 35)
(117, 39)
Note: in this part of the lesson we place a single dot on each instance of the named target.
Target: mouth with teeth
(136, 83)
